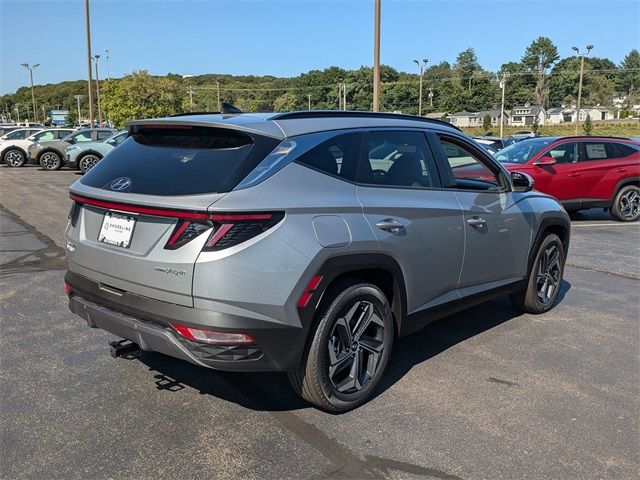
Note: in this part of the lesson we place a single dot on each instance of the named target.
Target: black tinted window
(337, 156)
(102, 135)
(399, 159)
(181, 160)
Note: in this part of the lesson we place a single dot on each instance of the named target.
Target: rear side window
(337, 156)
(606, 150)
(82, 137)
(181, 160)
(104, 134)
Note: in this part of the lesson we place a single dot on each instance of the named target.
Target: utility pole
(43, 119)
(89, 66)
(106, 55)
(31, 68)
(190, 92)
(78, 98)
(589, 48)
(309, 96)
(344, 95)
(376, 55)
(431, 97)
(421, 65)
(97, 57)
(503, 83)
(218, 90)
(17, 114)
(340, 96)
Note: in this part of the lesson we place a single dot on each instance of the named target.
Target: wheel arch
(556, 225)
(47, 150)
(88, 152)
(13, 147)
(378, 269)
(624, 183)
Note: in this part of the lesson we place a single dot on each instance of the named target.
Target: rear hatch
(140, 217)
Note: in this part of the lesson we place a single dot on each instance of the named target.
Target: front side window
(337, 156)
(18, 135)
(468, 170)
(564, 153)
(118, 139)
(398, 159)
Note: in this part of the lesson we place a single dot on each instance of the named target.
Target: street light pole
(89, 66)
(376, 56)
(421, 65)
(344, 95)
(503, 83)
(31, 68)
(589, 48)
(96, 58)
(78, 98)
(309, 96)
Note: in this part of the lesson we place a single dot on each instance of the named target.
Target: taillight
(231, 229)
(184, 232)
(226, 229)
(212, 337)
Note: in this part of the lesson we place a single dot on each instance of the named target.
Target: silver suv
(303, 242)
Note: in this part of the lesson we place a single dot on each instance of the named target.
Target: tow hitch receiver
(124, 348)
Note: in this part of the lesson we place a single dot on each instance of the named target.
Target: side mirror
(521, 182)
(112, 142)
(546, 161)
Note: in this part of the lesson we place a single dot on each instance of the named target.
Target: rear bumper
(145, 321)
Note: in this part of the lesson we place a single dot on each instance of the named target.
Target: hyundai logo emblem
(120, 184)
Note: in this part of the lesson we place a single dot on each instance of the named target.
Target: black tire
(545, 280)
(87, 162)
(626, 206)
(14, 157)
(50, 160)
(314, 381)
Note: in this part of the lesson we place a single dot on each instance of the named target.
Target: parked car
(522, 135)
(86, 154)
(582, 172)
(494, 144)
(14, 153)
(17, 134)
(4, 129)
(303, 242)
(50, 154)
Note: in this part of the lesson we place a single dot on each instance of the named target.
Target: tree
(537, 58)
(587, 126)
(536, 125)
(466, 66)
(628, 81)
(285, 102)
(486, 123)
(518, 89)
(140, 95)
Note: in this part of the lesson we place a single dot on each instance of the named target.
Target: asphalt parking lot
(489, 393)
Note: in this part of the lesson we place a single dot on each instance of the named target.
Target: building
(525, 115)
(568, 114)
(494, 115)
(464, 119)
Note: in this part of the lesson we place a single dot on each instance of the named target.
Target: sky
(286, 38)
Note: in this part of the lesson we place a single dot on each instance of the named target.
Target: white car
(13, 151)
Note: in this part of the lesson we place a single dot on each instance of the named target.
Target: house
(525, 115)
(568, 114)
(437, 115)
(464, 119)
(494, 115)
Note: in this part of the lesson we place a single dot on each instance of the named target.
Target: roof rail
(592, 136)
(356, 113)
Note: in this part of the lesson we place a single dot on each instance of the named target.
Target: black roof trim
(594, 137)
(355, 113)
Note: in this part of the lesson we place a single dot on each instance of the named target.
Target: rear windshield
(180, 160)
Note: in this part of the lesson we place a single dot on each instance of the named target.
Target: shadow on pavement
(268, 391)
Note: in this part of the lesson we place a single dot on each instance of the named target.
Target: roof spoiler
(226, 109)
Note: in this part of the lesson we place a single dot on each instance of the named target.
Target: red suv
(582, 172)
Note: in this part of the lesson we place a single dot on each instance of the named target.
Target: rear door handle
(476, 222)
(573, 175)
(390, 225)
(621, 170)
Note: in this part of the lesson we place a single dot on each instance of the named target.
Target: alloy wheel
(50, 161)
(629, 204)
(355, 348)
(14, 158)
(548, 279)
(88, 162)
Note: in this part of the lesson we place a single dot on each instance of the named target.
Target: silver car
(304, 242)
